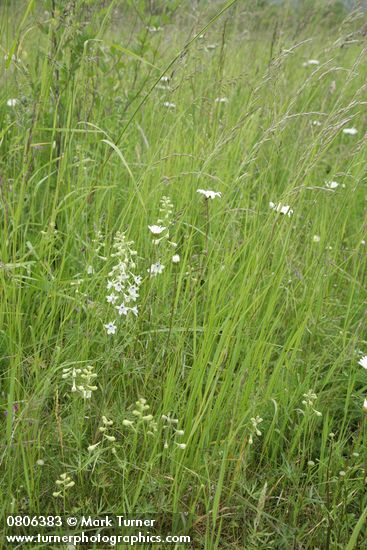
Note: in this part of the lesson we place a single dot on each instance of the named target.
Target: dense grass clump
(173, 351)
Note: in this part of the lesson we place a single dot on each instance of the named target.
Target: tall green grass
(257, 313)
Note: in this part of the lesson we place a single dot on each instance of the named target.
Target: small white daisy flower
(157, 229)
(175, 258)
(208, 194)
(111, 328)
(350, 131)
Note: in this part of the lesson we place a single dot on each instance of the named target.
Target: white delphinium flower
(12, 102)
(157, 229)
(169, 105)
(156, 269)
(92, 448)
(143, 421)
(169, 425)
(82, 380)
(176, 259)
(311, 62)
(316, 238)
(221, 100)
(111, 298)
(281, 208)
(350, 131)
(64, 482)
(107, 425)
(111, 327)
(134, 310)
(309, 401)
(208, 194)
(331, 184)
(255, 422)
(363, 362)
(122, 309)
(164, 222)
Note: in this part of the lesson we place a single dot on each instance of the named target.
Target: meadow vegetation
(183, 267)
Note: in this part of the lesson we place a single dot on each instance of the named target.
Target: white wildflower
(331, 184)
(111, 298)
(156, 269)
(281, 208)
(92, 448)
(176, 258)
(311, 62)
(12, 102)
(350, 131)
(221, 100)
(169, 105)
(111, 327)
(208, 194)
(363, 362)
(316, 238)
(134, 310)
(157, 229)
